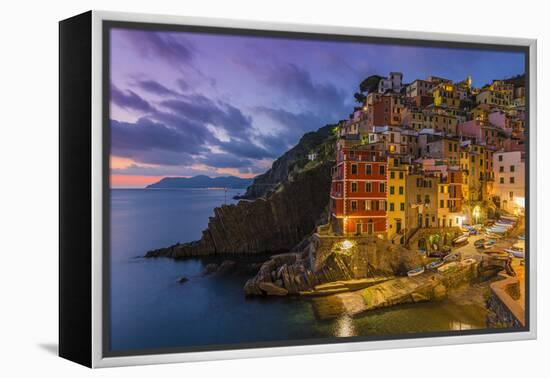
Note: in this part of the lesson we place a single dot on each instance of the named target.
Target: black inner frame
(107, 26)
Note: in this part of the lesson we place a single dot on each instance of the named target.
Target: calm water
(150, 309)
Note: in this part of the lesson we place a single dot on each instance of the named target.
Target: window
(382, 170)
(401, 189)
(353, 205)
(392, 174)
(441, 189)
(383, 205)
(501, 169)
(368, 205)
(441, 204)
(502, 180)
(511, 195)
(392, 190)
(381, 187)
(512, 168)
(402, 206)
(368, 169)
(426, 199)
(396, 162)
(353, 187)
(401, 175)
(499, 157)
(512, 180)
(391, 206)
(368, 187)
(354, 169)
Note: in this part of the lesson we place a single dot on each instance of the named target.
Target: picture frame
(85, 272)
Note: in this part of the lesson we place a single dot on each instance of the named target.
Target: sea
(150, 310)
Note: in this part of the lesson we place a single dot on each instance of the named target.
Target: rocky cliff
(292, 162)
(271, 224)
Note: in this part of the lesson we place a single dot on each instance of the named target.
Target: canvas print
(276, 189)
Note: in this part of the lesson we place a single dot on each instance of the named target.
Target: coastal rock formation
(365, 262)
(274, 224)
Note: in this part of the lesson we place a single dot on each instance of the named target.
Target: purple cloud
(173, 48)
(155, 87)
(129, 100)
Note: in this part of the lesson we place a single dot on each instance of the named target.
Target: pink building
(482, 133)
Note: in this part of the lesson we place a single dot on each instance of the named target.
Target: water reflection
(344, 327)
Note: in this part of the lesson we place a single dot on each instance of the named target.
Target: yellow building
(476, 163)
(396, 199)
(446, 95)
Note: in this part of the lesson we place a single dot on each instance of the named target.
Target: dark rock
(226, 266)
(183, 280)
(209, 269)
(271, 289)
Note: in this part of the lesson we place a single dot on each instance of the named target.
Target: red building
(359, 191)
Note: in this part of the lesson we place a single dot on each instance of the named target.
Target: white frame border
(97, 140)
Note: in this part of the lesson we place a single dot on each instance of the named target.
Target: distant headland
(201, 181)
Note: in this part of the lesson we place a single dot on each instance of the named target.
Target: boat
(460, 240)
(515, 252)
(416, 271)
(456, 256)
(435, 264)
(469, 261)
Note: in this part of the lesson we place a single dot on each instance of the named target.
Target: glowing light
(346, 244)
(520, 201)
(476, 213)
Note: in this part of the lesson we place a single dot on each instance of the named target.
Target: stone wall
(368, 256)
(446, 235)
(506, 311)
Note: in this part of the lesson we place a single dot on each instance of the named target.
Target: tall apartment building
(509, 186)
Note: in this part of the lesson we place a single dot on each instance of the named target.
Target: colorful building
(509, 187)
(359, 191)
(397, 183)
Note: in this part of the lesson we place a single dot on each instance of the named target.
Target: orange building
(359, 191)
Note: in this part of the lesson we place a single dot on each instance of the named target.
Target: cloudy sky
(184, 104)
